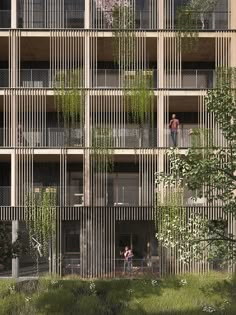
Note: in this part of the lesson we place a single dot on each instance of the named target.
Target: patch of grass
(177, 295)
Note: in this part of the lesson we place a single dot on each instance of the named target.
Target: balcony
(138, 267)
(56, 19)
(74, 137)
(112, 79)
(5, 18)
(192, 79)
(35, 78)
(130, 137)
(183, 137)
(72, 195)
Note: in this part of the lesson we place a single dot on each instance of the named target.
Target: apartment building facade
(99, 212)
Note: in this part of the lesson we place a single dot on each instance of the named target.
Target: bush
(5, 286)
(59, 301)
(15, 304)
(90, 305)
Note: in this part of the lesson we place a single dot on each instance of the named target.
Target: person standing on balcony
(174, 126)
(128, 255)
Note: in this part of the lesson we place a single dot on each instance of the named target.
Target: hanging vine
(41, 216)
(124, 36)
(139, 97)
(190, 18)
(120, 16)
(102, 149)
(69, 96)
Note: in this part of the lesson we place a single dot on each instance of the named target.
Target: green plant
(91, 305)
(102, 149)
(41, 216)
(58, 302)
(69, 96)
(8, 250)
(210, 171)
(190, 18)
(124, 44)
(201, 138)
(140, 96)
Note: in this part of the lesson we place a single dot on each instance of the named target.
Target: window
(72, 241)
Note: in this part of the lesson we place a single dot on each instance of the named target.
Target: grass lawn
(181, 295)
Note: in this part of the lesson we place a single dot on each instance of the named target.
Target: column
(232, 16)
(15, 224)
(13, 13)
(161, 15)
(87, 106)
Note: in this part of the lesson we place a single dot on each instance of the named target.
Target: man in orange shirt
(174, 126)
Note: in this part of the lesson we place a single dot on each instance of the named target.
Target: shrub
(90, 305)
(59, 301)
(15, 304)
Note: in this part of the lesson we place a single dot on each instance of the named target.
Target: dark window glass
(72, 242)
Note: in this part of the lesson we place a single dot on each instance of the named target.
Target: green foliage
(209, 171)
(8, 250)
(41, 216)
(190, 19)
(58, 302)
(13, 304)
(69, 96)
(124, 44)
(102, 149)
(140, 96)
(124, 297)
(201, 138)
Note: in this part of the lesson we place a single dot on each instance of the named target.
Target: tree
(8, 250)
(208, 171)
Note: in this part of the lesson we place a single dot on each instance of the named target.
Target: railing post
(49, 78)
(213, 20)
(140, 19)
(196, 78)
(31, 78)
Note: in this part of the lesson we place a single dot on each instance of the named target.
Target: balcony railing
(53, 19)
(183, 136)
(5, 18)
(36, 78)
(217, 20)
(129, 137)
(74, 137)
(192, 79)
(112, 78)
(72, 195)
(143, 20)
(117, 195)
(52, 137)
(136, 267)
(185, 133)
